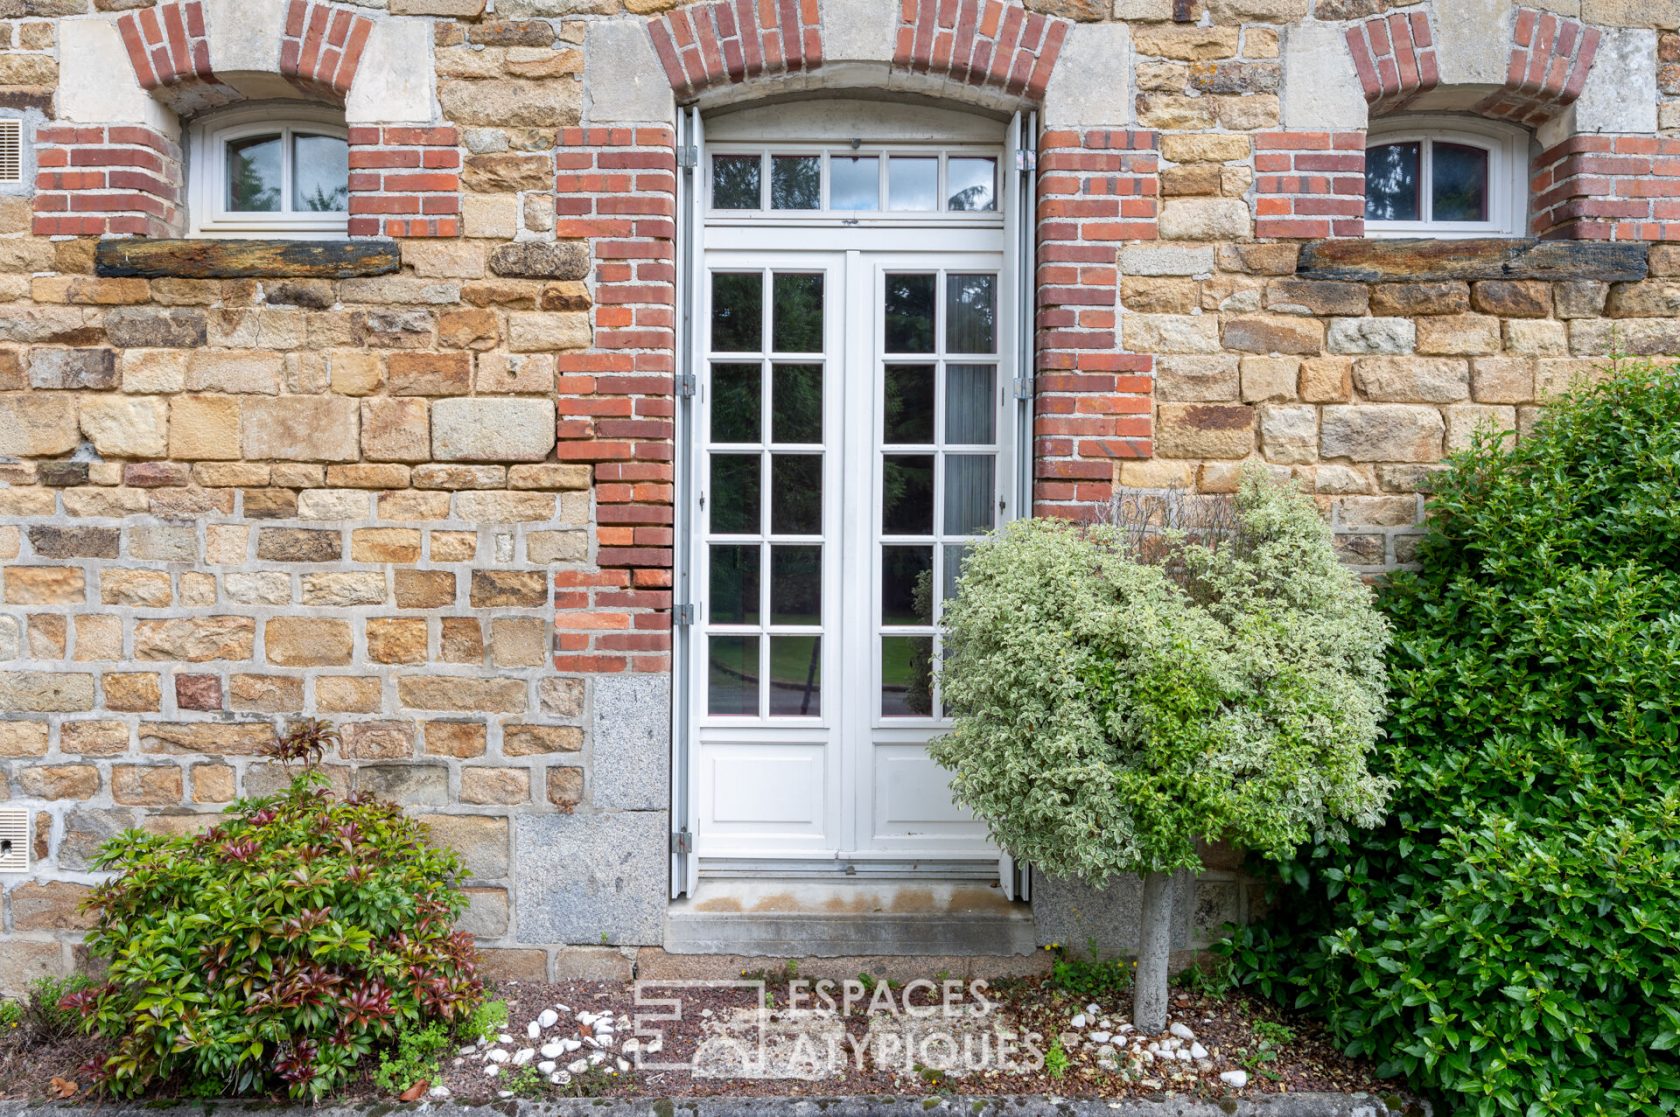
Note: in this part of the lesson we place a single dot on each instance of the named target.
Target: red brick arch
(995, 44)
(1549, 58)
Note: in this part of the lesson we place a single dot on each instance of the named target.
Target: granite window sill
(1423, 260)
(246, 259)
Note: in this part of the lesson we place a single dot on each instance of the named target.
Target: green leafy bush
(275, 950)
(1112, 712)
(1512, 937)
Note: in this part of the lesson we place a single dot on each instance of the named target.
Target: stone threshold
(955, 1105)
(246, 259)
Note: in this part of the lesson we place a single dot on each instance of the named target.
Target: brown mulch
(1224, 1026)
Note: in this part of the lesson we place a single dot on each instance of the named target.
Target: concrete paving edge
(1045, 1105)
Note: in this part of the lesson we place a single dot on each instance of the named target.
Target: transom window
(272, 171)
(809, 180)
(1445, 177)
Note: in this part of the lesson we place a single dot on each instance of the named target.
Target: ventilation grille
(14, 841)
(11, 152)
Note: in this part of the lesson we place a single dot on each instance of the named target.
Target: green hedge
(1511, 939)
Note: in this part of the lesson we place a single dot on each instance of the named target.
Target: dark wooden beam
(246, 259)
(1379, 261)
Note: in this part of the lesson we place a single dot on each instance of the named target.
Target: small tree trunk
(1149, 994)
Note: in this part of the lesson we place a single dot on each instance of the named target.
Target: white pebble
(504, 1038)
(504, 1093)
(557, 1077)
(1078, 1021)
(468, 1049)
(1093, 1009)
(1197, 1051)
(492, 1071)
(1127, 1028)
(523, 1056)
(439, 1091)
(654, 1046)
(532, 1031)
(497, 1055)
(579, 1067)
(548, 1066)
(598, 1058)
(553, 1049)
(1101, 1037)
(624, 1066)
(570, 1044)
(547, 1018)
(1182, 1055)
(1236, 1079)
(632, 1045)
(587, 1018)
(1181, 1031)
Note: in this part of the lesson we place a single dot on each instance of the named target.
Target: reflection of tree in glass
(919, 697)
(1391, 178)
(797, 313)
(972, 303)
(797, 403)
(246, 190)
(735, 182)
(909, 313)
(1460, 186)
(972, 199)
(323, 202)
(796, 182)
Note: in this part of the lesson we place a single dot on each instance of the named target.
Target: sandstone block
(1269, 379)
(195, 639)
(212, 783)
(347, 694)
(1372, 335)
(94, 738)
(333, 504)
(519, 641)
(508, 172)
(455, 546)
(505, 104)
(574, 478)
(1171, 333)
(541, 259)
(549, 547)
(150, 328)
(45, 585)
(492, 430)
(463, 640)
(307, 642)
(495, 785)
(74, 542)
(378, 740)
(1580, 298)
(1464, 420)
(1413, 299)
(33, 426)
(1274, 335)
(397, 640)
(1514, 298)
(1412, 379)
(504, 507)
(1184, 42)
(385, 544)
(20, 740)
(1501, 380)
(127, 426)
(1536, 337)
(1467, 335)
(204, 428)
(461, 740)
(132, 693)
(1317, 296)
(565, 788)
(238, 371)
(430, 374)
(198, 692)
(59, 781)
(265, 694)
(443, 692)
(1205, 219)
(1382, 433)
(480, 841)
(1165, 260)
(561, 698)
(88, 369)
(49, 906)
(424, 589)
(342, 589)
(301, 428)
(406, 785)
(1204, 430)
(276, 544)
(1147, 295)
(509, 589)
(1377, 511)
(146, 785)
(548, 331)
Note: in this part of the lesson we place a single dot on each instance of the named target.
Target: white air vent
(14, 841)
(11, 152)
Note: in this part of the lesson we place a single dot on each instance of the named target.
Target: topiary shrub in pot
(1119, 696)
(1511, 938)
(277, 949)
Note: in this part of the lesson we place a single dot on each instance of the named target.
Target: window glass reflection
(1391, 182)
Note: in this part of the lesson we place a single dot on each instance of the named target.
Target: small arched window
(270, 171)
(1445, 177)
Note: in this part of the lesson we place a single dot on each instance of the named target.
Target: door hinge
(1023, 387)
(683, 616)
(688, 156)
(1026, 159)
(682, 842)
(687, 385)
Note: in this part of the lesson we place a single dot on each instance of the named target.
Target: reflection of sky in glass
(253, 169)
(1459, 185)
(1391, 182)
(912, 184)
(854, 182)
(971, 184)
(320, 174)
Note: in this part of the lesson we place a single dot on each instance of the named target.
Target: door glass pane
(735, 181)
(909, 405)
(906, 676)
(736, 403)
(907, 495)
(969, 494)
(737, 312)
(910, 313)
(970, 405)
(796, 403)
(955, 555)
(1459, 175)
(912, 184)
(795, 676)
(735, 494)
(971, 313)
(796, 182)
(797, 313)
(1391, 182)
(253, 174)
(854, 182)
(320, 174)
(796, 494)
(795, 585)
(971, 184)
(734, 583)
(906, 585)
(732, 685)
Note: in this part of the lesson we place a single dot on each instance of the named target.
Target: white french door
(853, 427)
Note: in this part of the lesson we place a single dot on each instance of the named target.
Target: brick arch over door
(1546, 63)
(987, 44)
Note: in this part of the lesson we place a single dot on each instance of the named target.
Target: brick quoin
(616, 188)
(1606, 187)
(1097, 189)
(405, 181)
(96, 180)
(322, 47)
(1309, 185)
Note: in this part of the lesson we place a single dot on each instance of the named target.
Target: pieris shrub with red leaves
(276, 950)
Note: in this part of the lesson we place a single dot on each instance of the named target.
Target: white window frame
(207, 172)
(878, 218)
(1507, 149)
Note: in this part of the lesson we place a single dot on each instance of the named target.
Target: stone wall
(423, 486)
